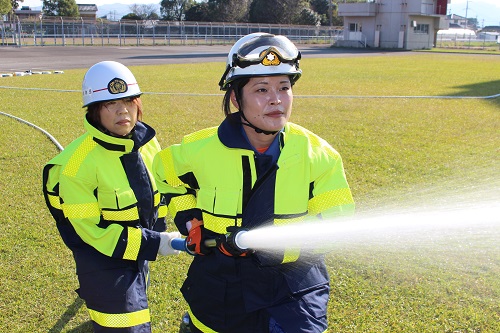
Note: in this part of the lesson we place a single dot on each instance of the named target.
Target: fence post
(137, 33)
(197, 34)
(102, 32)
(153, 22)
(34, 33)
(54, 32)
(62, 32)
(41, 29)
(211, 34)
(18, 39)
(83, 32)
(184, 35)
(224, 33)
(168, 33)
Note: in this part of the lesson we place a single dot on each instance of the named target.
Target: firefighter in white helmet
(107, 207)
(255, 169)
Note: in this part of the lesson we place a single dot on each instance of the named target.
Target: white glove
(165, 240)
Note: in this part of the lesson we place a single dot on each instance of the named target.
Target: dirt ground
(50, 58)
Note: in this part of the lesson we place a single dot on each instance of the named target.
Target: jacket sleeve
(148, 152)
(175, 180)
(330, 195)
(81, 209)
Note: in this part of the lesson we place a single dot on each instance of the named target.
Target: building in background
(401, 24)
(87, 12)
(27, 13)
(457, 21)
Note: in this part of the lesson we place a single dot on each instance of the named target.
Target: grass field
(400, 152)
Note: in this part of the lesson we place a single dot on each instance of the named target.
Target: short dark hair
(94, 115)
(236, 86)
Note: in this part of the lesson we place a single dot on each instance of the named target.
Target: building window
(353, 27)
(421, 29)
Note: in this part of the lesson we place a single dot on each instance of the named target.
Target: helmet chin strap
(256, 129)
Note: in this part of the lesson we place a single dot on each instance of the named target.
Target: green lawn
(400, 152)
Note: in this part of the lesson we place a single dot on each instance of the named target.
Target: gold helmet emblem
(271, 59)
(117, 86)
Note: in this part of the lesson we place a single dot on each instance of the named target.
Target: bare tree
(144, 11)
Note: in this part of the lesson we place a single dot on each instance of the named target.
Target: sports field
(417, 132)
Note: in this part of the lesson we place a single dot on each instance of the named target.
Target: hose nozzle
(234, 238)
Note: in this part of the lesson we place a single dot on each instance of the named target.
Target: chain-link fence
(470, 41)
(70, 31)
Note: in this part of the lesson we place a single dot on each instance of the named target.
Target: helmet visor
(257, 49)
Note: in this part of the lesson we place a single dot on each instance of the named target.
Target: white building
(403, 24)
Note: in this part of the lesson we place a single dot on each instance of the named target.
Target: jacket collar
(230, 133)
(142, 134)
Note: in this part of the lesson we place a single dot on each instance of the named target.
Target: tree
(153, 16)
(131, 16)
(174, 10)
(5, 7)
(277, 12)
(49, 7)
(60, 8)
(308, 17)
(262, 11)
(144, 12)
(14, 3)
(336, 20)
(198, 12)
(68, 8)
(322, 7)
(229, 10)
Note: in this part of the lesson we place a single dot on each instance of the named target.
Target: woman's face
(119, 116)
(267, 101)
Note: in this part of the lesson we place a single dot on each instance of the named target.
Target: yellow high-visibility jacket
(214, 175)
(101, 193)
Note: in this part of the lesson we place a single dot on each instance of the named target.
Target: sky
(487, 12)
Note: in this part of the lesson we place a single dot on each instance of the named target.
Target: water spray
(430, 225)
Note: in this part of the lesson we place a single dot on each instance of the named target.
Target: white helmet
(261, 54)
(108, 80)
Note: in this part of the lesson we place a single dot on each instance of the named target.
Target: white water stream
(391, 228)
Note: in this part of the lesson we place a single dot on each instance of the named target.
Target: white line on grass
(58, 145)
(296, 96)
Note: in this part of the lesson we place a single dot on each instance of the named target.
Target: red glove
(195, 241)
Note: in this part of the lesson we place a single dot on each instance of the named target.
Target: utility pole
(466, 10)
(330, 14)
